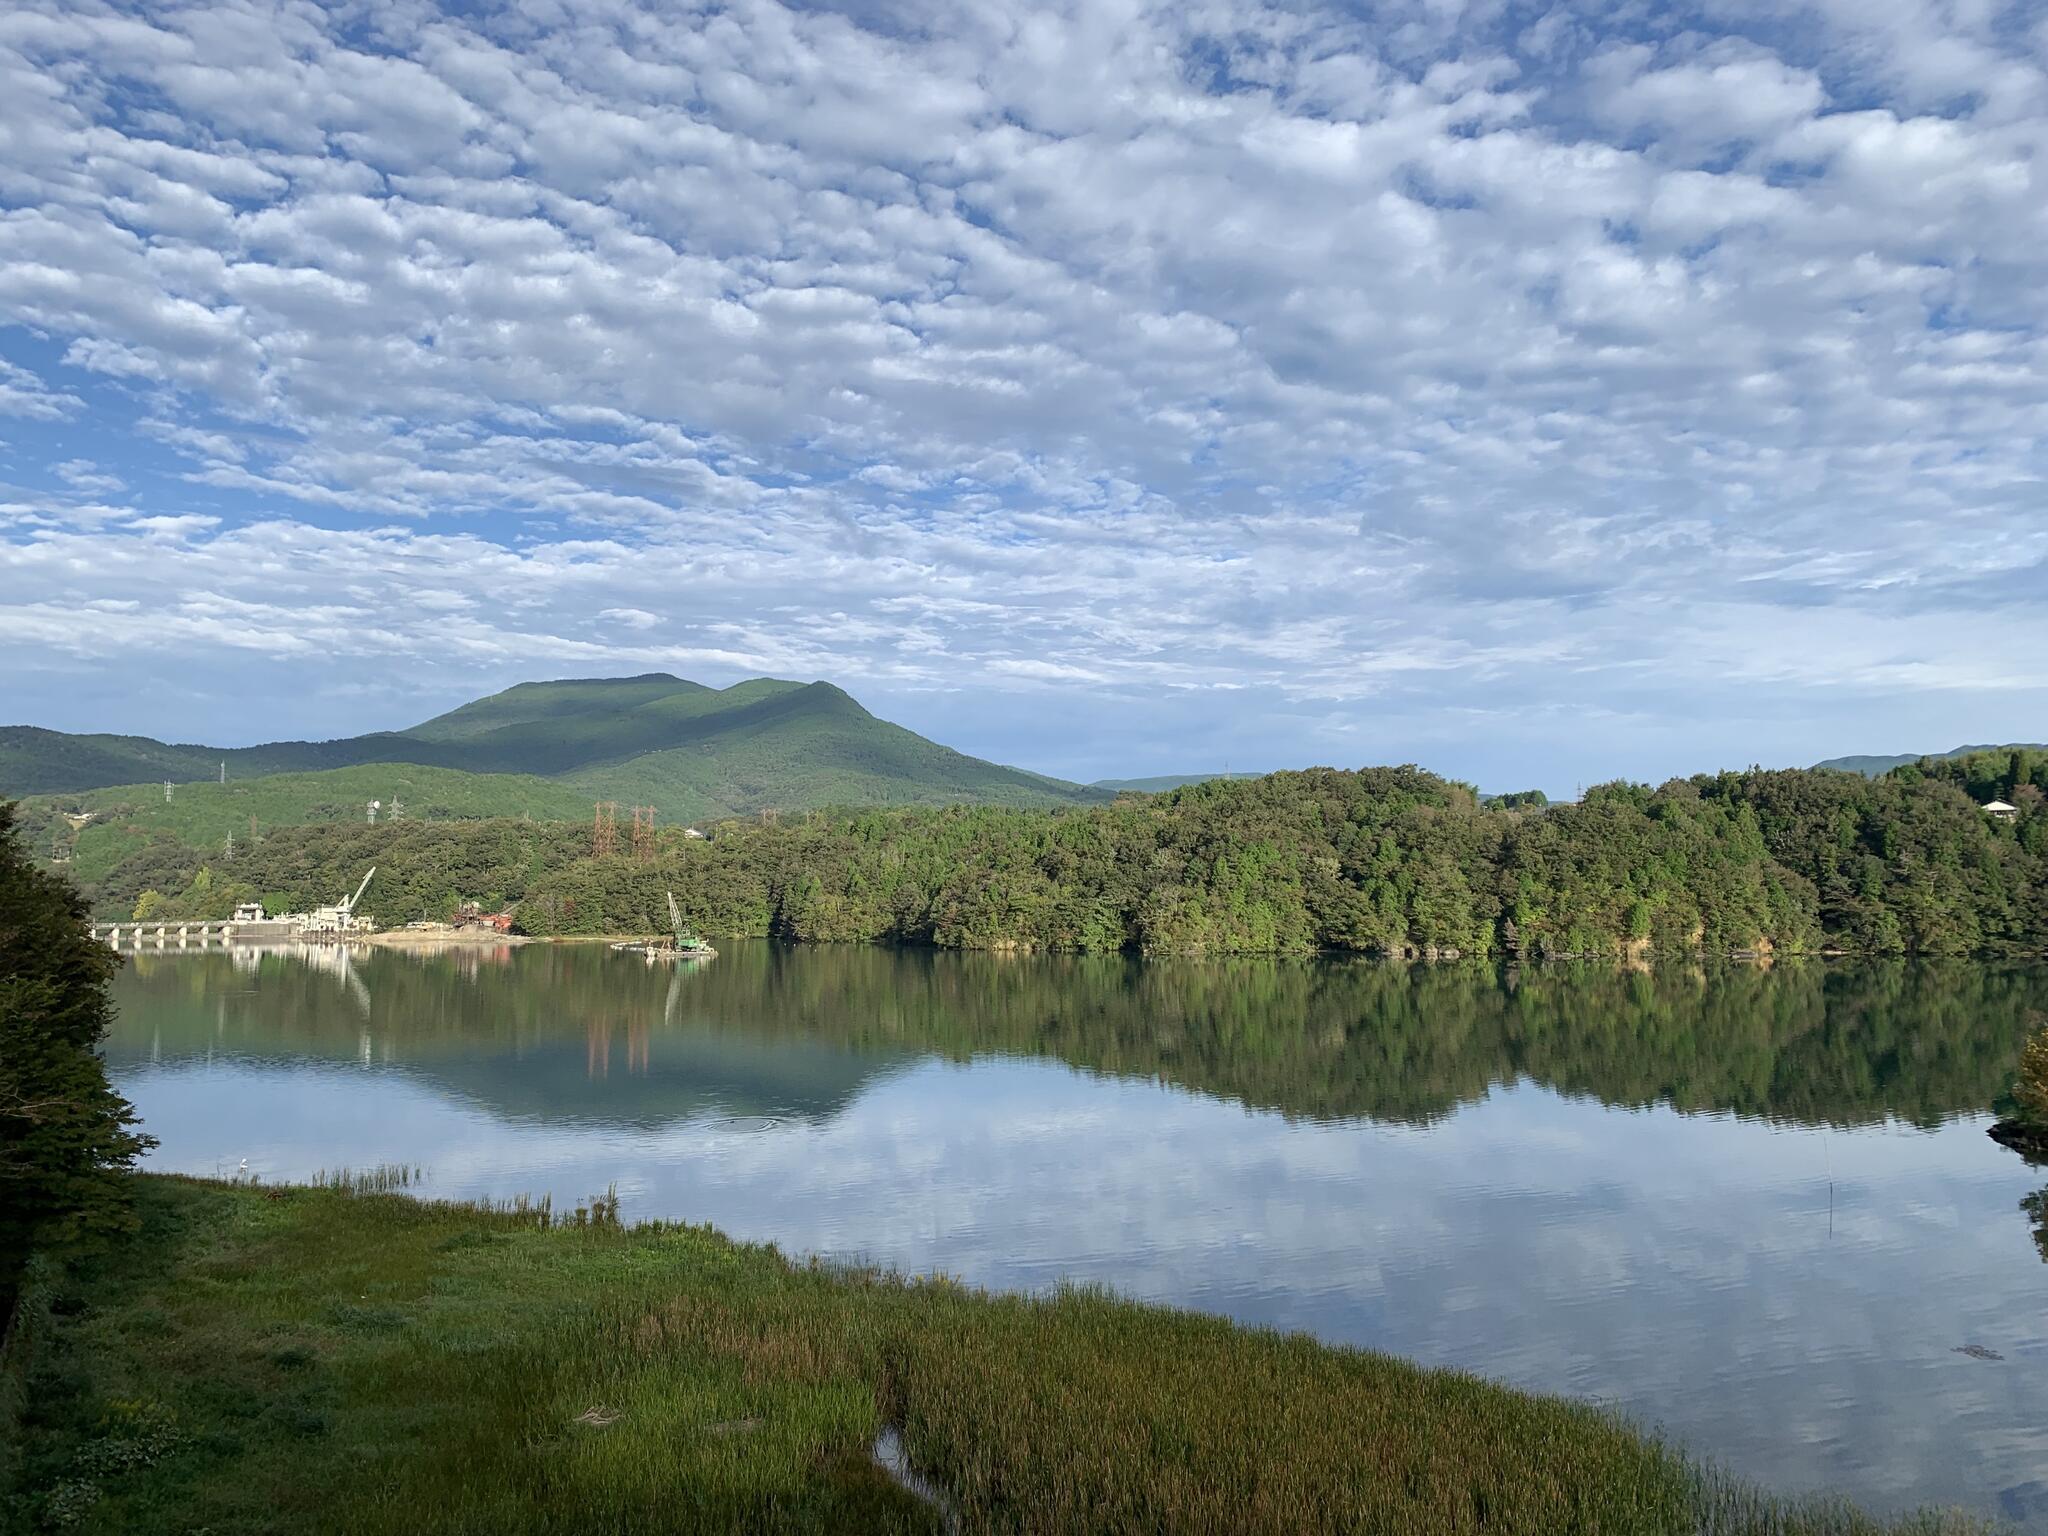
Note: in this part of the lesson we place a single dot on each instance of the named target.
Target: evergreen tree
(64, 1133)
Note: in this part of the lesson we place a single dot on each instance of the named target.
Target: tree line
(1388, 861)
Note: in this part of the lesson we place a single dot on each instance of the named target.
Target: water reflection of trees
(2036, 1208)
(1808, 1042)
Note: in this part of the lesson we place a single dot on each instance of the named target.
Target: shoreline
(495, 1361)
(1634, 959)
(453, 938)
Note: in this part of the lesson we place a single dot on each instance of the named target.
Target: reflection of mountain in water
(634, 1078)
(553, 1035)
(576, 1033)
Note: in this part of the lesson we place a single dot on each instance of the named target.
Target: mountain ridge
(1160, 783)
(691, 751)
(1872, 765)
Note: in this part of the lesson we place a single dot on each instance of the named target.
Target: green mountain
(1159, 784)
(540, 749)
(1872, 766)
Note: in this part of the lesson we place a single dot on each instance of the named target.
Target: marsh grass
(347, 1362)
(1727, 1506)
(384, 1179)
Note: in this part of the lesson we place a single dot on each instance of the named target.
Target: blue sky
(1542, 393)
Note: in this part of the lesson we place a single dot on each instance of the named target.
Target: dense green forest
(1382, 861)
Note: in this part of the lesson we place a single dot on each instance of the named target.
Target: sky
(1542, 393)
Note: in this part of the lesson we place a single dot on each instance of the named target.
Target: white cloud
(22, 393)
(1389, 370)
(85, 475)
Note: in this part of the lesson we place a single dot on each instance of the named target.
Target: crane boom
(675, 917)
(360, 889)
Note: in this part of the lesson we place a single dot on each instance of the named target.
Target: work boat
(683, 945)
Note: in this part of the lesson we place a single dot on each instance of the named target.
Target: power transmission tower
(223, 770)
(229, 852)
(397, 810)
(643, 833)
(604, 839)
(167, 791)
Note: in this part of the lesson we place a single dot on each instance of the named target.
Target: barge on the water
(683, 944)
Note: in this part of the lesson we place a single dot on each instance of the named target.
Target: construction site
(339, 922)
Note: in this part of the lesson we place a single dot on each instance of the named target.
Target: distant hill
(1870, 767)
(543, 749)
(1161, 783)
(205, 814)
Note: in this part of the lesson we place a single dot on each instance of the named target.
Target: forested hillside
(2016, 775)
(1387, 860)
(1872, 765)
(131, 817)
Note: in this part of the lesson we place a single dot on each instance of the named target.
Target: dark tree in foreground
(64, 1133)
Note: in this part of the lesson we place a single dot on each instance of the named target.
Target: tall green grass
(293, 1360)
(383, 1179)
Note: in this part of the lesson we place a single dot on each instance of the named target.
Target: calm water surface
(1755, 1207)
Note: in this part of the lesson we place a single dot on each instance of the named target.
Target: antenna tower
(643, 833)
(604, 830)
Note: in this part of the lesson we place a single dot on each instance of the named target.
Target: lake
(1753, 1206)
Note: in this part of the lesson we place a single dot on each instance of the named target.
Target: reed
(384, 1179)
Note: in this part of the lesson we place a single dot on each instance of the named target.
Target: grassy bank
(336, 1361)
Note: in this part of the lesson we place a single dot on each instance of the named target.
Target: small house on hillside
(1998, 810)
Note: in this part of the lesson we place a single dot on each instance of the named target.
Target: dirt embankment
(443, 938)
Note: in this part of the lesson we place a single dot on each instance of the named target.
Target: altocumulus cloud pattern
(1535, 390)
